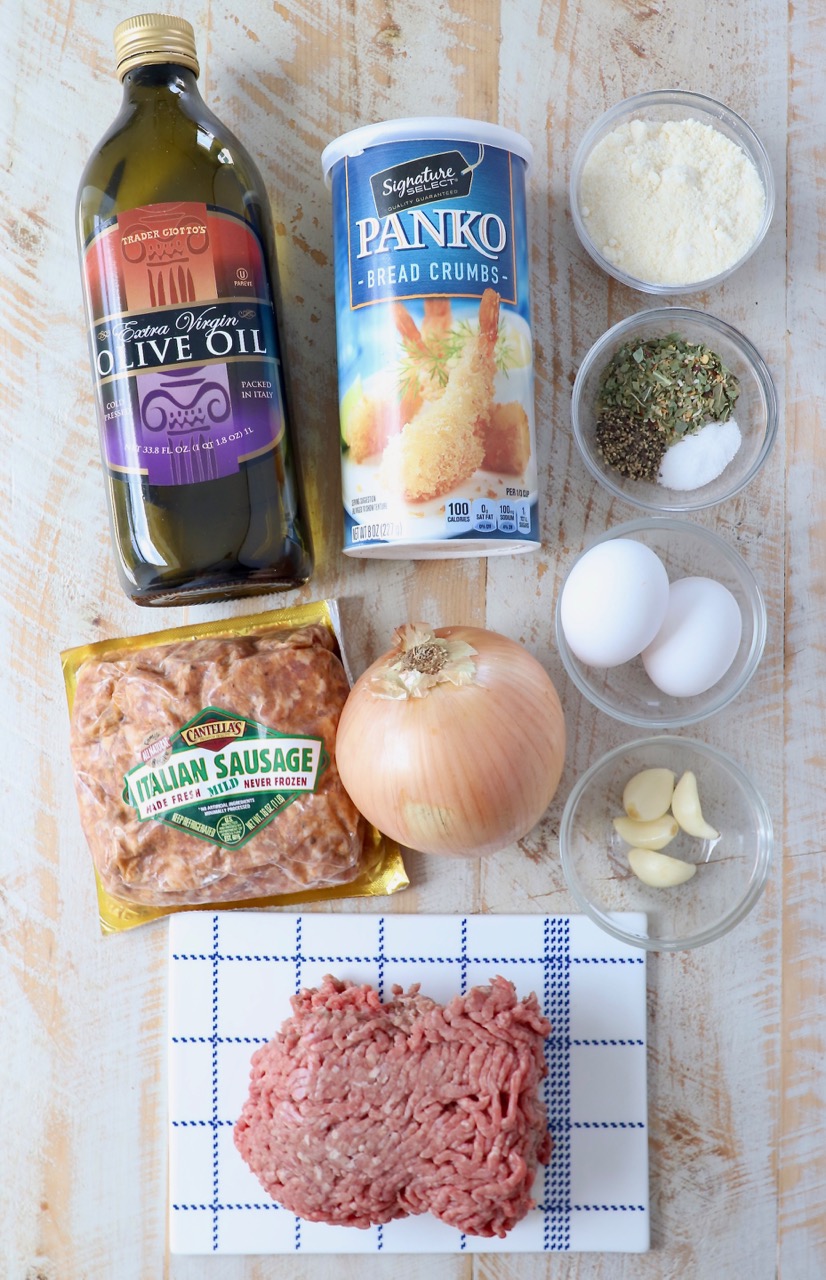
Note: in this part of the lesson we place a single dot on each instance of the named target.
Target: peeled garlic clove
(654, 834)
(659, 870)
(685, 805)
(648, 794)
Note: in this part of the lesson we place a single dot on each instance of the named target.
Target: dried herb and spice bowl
(692, 871)
(674, 410)
(671, 191)
(660, 623)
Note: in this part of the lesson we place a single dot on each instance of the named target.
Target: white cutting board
(231, 975)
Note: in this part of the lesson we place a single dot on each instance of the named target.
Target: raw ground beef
(292, 682)
(360, 1112)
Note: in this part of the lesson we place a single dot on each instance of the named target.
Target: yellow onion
(453, 742)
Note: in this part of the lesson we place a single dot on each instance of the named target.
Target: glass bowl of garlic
(666, 843)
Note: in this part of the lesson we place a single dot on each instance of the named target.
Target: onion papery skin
(464, 770)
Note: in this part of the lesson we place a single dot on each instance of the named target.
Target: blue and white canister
(433, 327)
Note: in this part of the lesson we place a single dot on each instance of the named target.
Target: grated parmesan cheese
(672, 202)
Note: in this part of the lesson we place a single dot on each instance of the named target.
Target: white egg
(613, 602)
(698, 640)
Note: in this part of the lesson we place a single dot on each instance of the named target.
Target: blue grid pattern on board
(554, 963)
(557, 992)
(215, 1166)
(298, 959)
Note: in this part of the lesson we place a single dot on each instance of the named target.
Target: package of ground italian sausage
(204, 767)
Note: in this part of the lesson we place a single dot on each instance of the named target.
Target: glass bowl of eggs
(674, 410)
(666, 843)
(671, 191)
(660, 623)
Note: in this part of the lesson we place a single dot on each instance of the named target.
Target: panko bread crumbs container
(433, 327)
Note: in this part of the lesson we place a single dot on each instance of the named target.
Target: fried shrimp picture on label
(444, 443)
(424, 352)
(375, 419)
(438, 316)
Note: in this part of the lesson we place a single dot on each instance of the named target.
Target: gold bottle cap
(154, 37)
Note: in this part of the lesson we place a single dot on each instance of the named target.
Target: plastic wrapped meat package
(204, 767)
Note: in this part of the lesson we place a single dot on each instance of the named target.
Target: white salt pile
(700, 458)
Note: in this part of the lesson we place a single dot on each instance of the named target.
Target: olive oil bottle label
(222, 777)
(183, 343)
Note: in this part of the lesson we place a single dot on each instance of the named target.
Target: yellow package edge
(383, 871)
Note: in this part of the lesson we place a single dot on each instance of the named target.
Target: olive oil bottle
(177, 259)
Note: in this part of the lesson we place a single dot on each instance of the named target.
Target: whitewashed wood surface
(738, 1030)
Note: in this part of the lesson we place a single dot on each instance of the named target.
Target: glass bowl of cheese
(671, 191)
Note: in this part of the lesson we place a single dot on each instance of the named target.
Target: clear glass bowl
(731, 870)
(755, 411)
(663, 105)
(626, 692)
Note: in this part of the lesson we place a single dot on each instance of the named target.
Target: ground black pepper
(630, 445)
